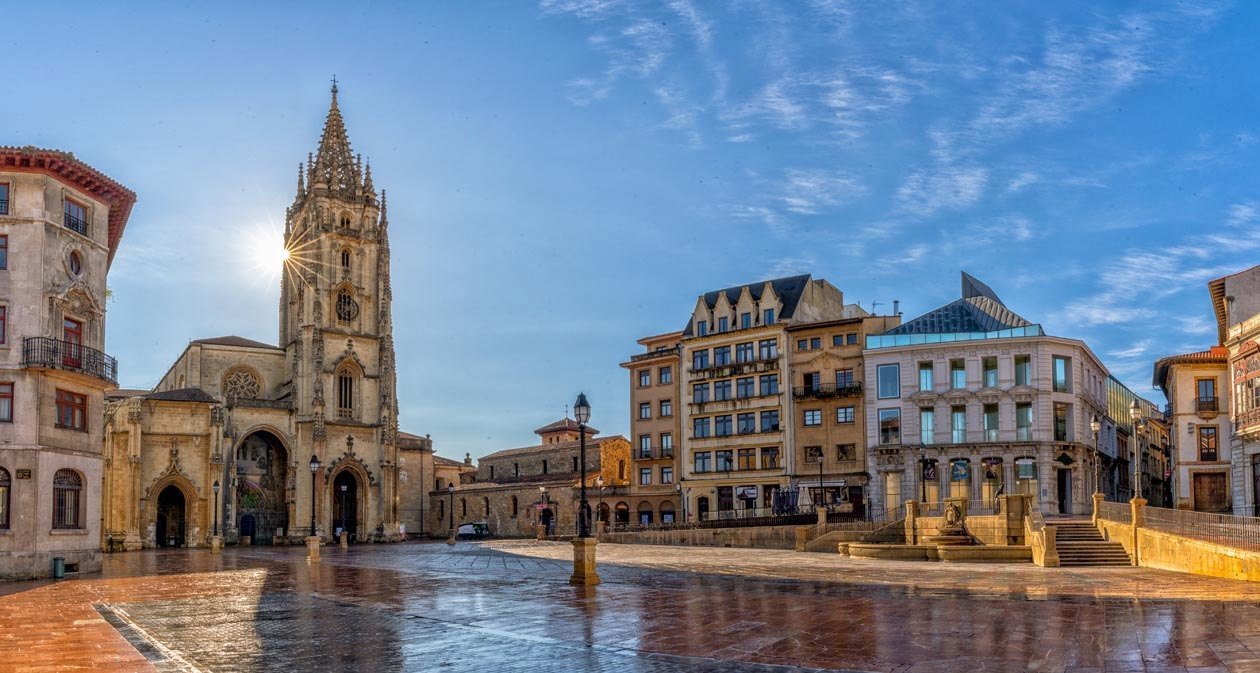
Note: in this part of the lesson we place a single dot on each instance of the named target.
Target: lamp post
(215, 488)
(314, 469)
(582, 413)
(923, 475)
(312, 542)
(450, 491)
(1096, 426)
(584, 545)
(682, 499)
(1135, 412)
(344, 487)
(599, 484)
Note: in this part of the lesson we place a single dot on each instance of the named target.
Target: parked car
(473, 531)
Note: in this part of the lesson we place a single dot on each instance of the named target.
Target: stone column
(1098, 501)
(216, 544)
(312, 549)
(1137, 508)
(584, 562)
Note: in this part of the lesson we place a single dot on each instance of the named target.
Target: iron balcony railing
(1205, 404)
(75, 224)
(655, 354)
(826, 390)
(58, 354)
(1240, 532)
(654, 452)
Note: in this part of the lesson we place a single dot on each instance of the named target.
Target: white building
(972, 400)
(1236, 302)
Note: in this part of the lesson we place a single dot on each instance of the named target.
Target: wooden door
(1211, 493)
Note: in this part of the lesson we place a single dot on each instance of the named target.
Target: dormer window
(75, 216)
(723, 324)
(768, 317)
(702, 327)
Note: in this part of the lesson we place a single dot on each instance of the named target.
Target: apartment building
(1236, 303)
(60, 225)
(1198, 405)
(654, 429)
(828, 414)
(736, 441)
(972, 400)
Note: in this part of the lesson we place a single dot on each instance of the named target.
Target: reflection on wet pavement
(506, 606)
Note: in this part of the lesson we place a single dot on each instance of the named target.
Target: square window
(889, 426)
(851, 338)
(815, 343)
(770, 421)
(667, 408)
(888, 381)
(846, 452)
(645, 410)
(813, 417)
(667, 375)
(845, 415)
(71, 410)
(645, 378)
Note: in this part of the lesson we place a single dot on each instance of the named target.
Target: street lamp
(344, 486)
(450, 490)
(314, 469)
(1135, 412)
(582, 413)
(682, 499)
(599, 483)
(923, 462)
(1096, 426)
(215, 488)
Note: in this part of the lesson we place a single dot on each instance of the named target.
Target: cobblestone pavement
(506, 606)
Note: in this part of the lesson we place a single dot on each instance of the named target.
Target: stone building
(971, 399)
(736, 435)
(515, 489)
(60, 225)
(828, 416)
(415, 471)
(1236, 303)
(1198, 405)
(251, 419)
(654, 429)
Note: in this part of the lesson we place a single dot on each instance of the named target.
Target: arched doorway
(261, 488)
(623, 514)
(346, 503)
(170, 517)
(702, 508)
(603, 512)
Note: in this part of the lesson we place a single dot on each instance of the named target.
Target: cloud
(1134, 350)
(1137, 283)
(791, 266)
(924, 193)
(1021, 181)
(801, 192)
(1241, 213)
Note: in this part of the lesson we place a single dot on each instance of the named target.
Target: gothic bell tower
(337, 330)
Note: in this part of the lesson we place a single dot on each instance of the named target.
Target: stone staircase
(1080, 544)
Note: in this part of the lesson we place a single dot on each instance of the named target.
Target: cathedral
(267, 444)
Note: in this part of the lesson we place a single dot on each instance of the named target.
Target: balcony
(1206, 405)
(76, 225)
(827, 390)
(655, 354)
(716, 371)
(65, 355)
(653, 453)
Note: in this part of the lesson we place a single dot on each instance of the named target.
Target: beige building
(736, 434)
(655, 429)
(1236, 302)
(296, 435)
(516, 489)
(1195, 385)
(970, 400)
(415, 473)
(828, 418)
(60, 224)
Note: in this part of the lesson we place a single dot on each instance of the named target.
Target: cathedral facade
(269, 444)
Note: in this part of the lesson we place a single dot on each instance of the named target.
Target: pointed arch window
(67, 499)
(345, 393)
(345, 260)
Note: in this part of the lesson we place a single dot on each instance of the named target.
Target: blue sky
(565, 177)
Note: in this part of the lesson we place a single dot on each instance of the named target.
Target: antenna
(874, 304)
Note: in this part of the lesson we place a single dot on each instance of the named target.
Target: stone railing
(1042, 539)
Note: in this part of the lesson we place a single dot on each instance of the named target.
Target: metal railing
(1240, 532)
(653, 452)
(1205, 404)
(68, 356)
(75, 224)
(737, 518)
(837, 521)
(1119, 512)
(655, 354)
(827, 390)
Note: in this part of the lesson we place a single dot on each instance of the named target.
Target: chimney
(896, 307)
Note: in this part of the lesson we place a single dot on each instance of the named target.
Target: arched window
(345, 259)
(345, 393)
(515, 510)
(67, 499)
(345, 220)
(486, 503)
(4, 498)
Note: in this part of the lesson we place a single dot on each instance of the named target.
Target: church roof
(542, 448)
(182, 395)
(979, 310)
(335, 164)
(565, 424)
(788, 289)
(233, 340)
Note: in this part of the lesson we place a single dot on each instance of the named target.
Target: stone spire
(301, 190)
(368, 188)
(334, 162)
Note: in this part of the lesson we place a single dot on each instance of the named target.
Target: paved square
(506, 606)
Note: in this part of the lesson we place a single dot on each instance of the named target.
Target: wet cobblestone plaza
(507, 606)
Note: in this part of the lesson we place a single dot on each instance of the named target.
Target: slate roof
(539, 448)
(979, 310)
(788, 289)
(448, 462)
(124, 393)
(233, 340)
(565, 424)
(182, 395)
